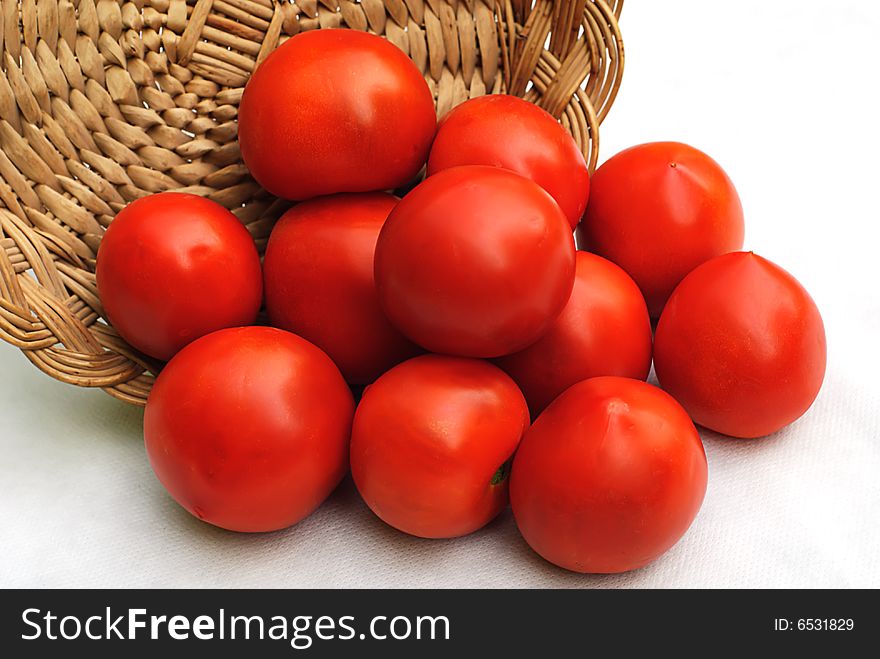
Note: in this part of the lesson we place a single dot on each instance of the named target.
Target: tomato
(741, 345)
(335, 111)
(319, 282)
(658, 211)
(609, 477)
(173, 267)
(430, 443)
(475, 261)
(603, 330)
(248, 428)
(506, 131)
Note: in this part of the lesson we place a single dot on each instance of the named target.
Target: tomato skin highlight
(658, 211)
(741, 345)
(335, 110)
(173, 267)
(609, 476)
(476, 261)
(604, 329)
(318, 272)
(509, 132)
(248, 428)
(429, 436)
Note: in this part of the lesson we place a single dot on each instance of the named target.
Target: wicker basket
(105, 101)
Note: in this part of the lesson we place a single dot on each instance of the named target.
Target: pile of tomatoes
(494, 361)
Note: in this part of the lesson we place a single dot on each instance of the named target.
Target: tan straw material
(106, 101)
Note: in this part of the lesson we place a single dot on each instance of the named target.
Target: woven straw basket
(106, 101)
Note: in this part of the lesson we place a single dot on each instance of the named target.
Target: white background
(784, 95)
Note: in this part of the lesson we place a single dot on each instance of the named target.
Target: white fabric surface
(784, 95)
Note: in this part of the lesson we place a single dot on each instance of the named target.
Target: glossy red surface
(609, 477)
(658, 211)
(475, 261)
(604, 329)
(173, 267)
(741, 345)
(318, 273)
(248, 428)
(506, 131)
(335, 111)
(429, 439)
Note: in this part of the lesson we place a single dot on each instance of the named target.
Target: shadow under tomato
(716, 443)
(59, 410)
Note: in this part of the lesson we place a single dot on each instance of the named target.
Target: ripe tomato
(173, 267)
(248, 428)
(658, 211)
(506, 131)
(335, 111)
(741, 345)
(430, 441)
(319, 282)
(609, 477)
(603, 330)
(475, 261)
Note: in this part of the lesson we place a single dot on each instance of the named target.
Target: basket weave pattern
(106, 101)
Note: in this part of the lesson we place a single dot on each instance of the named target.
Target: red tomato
(173, 267)
(658, 211)
(506, 131)
(319, 282)
(430, 443)
(475, 261)
(741, 345)
(248, 428)
(603, 330)
(335, 111)
(609, 477)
